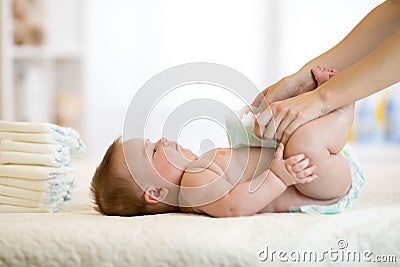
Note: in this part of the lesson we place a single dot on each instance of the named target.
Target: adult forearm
(378, 26)
(375, 72)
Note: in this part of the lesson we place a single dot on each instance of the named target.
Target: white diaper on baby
(240, 130)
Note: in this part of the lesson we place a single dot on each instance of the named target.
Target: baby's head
(157, 167)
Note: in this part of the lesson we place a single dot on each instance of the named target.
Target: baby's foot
(323, 73)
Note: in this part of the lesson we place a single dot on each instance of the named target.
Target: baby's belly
(293, 198)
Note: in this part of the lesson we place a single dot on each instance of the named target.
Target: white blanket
(78, 236)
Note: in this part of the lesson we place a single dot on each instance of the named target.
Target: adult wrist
(323, 97)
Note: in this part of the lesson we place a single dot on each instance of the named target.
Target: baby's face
(148, 161)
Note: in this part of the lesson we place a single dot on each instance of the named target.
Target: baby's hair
(112, 193)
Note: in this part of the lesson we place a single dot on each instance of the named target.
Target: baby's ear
(153, 195)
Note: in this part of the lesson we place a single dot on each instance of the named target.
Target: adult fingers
(291, 128)
(262, 120)
(257, 101)
(260, 103)
(287, 120)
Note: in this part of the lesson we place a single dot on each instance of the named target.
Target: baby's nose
(164, 141)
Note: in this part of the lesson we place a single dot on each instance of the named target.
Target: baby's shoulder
(202, 183)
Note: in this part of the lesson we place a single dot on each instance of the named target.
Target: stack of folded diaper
(35, 166)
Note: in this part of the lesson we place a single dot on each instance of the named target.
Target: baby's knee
(304, 141)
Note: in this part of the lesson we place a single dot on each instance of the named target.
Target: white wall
(127, 42)
(308, 28)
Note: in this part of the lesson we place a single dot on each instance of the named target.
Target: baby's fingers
(279, 151)
(300, 165)
(307, 179)
(306, 172)
(295, 159)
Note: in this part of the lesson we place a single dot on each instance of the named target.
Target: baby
(228, 182)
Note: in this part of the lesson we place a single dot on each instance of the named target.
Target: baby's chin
(187, 154)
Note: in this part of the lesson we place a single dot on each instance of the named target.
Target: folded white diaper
(44, 138)
(29, 127)
(34, 166)
(11, 204)
(34, 184)
(15, 157)
(42, 133)
(240, 130)
(33, 172)
(46, 196)
(7, 200)
(49, 149)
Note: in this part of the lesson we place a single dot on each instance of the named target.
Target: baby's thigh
(333, 171)
(334, 179)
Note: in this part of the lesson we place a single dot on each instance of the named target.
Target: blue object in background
(367, 128)
(392, 122)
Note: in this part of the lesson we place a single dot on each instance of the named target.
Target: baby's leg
(321, 141)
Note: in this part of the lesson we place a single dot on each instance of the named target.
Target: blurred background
(78, 63)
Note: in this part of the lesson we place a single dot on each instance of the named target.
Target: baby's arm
(240, 200)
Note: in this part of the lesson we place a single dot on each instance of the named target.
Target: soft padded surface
(78, 236)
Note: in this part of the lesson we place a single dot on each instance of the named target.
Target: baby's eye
(154, 151)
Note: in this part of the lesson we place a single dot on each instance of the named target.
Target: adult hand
(285, 88)
(282, 118)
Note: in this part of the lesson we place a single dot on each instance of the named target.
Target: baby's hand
(293, 170)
